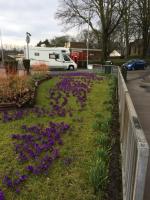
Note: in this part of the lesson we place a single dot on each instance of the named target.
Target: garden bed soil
(7, 106)
(115, 176)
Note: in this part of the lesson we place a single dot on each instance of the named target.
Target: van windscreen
(66, 58)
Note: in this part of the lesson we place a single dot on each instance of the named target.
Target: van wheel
(71, 67)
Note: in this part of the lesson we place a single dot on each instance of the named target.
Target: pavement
(138, 83)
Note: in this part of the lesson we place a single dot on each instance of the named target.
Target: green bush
(99, 115)
(96, 125)
(103, 140)
(103, 153)
(99, 175)
(104, 127)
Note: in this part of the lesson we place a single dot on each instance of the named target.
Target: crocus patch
(1, 195)
(37, 147)
(77, 85)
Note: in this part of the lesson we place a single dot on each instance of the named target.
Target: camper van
(55, 58)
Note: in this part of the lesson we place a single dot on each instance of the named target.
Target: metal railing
(105, 69)
(134, 146)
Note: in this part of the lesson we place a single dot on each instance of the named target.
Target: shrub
(11, 67)
(99, 115)
(103, 153)
(99, 176)
(103, 139)
(40, 68)
(96, 125)
(12, 87)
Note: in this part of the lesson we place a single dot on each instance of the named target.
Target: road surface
(138, 83)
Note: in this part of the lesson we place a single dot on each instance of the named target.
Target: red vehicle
(79, 55)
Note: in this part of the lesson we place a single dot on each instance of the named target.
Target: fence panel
(134, 146)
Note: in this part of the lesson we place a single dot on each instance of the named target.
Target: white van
(55, 58)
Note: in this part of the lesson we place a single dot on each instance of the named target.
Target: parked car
(135, 64)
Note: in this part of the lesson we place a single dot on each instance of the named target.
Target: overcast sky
(35, 16)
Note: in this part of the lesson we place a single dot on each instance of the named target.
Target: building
(75, 45)
(114, 54)
(136, 48)
(78, 52)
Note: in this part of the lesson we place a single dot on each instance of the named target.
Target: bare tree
(104, 17)
(142, 19)
(127, 20)
(118, 39)
(93, 42)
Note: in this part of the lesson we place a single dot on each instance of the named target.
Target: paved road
(138, 83)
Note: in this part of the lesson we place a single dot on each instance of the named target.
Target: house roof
(115, 53)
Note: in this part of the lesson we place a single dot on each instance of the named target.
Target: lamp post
(27, 61)
(2, 53)
(28, 35)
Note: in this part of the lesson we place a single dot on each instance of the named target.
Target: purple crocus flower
(55, 153)
(2, 195)
(7, 181)
(30, 168)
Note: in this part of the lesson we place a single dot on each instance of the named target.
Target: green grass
(62, 182)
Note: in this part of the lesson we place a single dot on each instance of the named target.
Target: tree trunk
(145, 42)
(127, 36)
(105, 41)
(127, 45)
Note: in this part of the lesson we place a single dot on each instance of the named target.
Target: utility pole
(2, 53)
(88, 34)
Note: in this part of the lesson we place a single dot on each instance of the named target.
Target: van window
(56, 56)
(51, 56)
(36, 54)
(66, 58)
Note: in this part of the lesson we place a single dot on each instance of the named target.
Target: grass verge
(68, 177)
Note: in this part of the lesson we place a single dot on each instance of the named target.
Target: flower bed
(18, 91)
(15, 90)
(47, 152)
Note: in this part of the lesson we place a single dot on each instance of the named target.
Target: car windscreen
(130, 61)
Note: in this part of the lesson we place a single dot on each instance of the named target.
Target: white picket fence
(134, 146)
